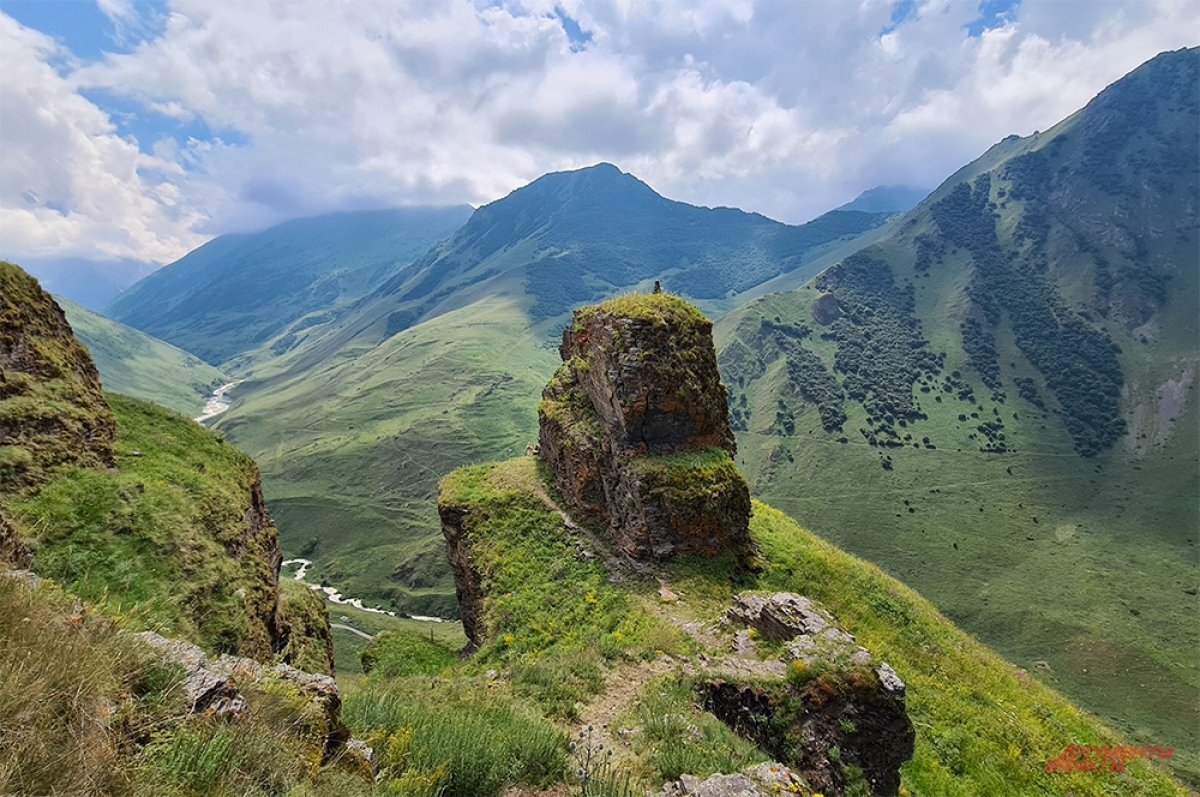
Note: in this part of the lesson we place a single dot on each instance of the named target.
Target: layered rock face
(52, 408)
(634, 426)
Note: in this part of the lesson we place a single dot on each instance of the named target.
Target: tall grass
(480, 735)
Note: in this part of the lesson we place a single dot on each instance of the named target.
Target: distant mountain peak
(887, 199)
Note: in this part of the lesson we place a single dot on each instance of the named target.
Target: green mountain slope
(136, 364)
(446, 360)
(997, 402)
(562, 632)
(237, 291)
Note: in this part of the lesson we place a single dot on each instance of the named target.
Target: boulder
(760, 780)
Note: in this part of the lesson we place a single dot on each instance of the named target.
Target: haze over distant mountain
(91, 283)
(449, 356)
(136, 364)
(998, 403)
(237, 291)
(887, 199)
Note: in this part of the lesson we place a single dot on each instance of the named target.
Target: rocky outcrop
(52, 408)
(634, 426)
(833, 714)
(216, 686)
(467, 582)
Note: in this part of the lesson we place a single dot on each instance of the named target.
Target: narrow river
(334, 596)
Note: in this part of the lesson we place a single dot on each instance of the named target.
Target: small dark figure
(657, 286)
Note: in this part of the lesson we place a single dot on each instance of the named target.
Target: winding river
(217, 404)
(334, 596)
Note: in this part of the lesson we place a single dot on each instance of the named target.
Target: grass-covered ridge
(162, 540)
(558, 629)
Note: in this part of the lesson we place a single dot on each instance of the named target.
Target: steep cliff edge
(634, 426)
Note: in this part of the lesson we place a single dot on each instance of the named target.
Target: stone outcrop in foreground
(634, 426)
(213, 686)
(823, 707)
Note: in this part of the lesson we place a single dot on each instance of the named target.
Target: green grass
(399, 653)
(462, 738)
(983, 726)
(555, 618)
(149, 542)
(135, 364)
(660, 308)
(348, 646)
(84, 709)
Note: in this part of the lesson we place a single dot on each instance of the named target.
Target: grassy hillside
(238, 291)
(85, 710)
(563, 637)
(997, 402)
(161, 540)
(135, 364)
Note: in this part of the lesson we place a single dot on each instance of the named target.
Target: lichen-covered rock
(760, 780)
(834, 715)
(635, 429)
(52, 408)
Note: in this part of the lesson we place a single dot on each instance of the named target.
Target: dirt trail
(621, 690)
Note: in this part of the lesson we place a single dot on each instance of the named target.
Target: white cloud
(69, 185)
(780, 107)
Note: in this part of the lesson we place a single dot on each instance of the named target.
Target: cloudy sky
(136, 129)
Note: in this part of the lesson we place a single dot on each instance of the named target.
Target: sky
(138, 129)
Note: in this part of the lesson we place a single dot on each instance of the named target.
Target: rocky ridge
(635, 435)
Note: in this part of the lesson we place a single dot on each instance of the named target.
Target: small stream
(334, 596)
